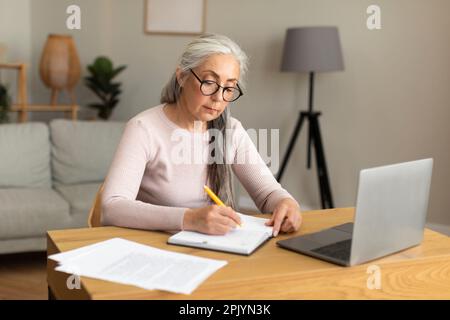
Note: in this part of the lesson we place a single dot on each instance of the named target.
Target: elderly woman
(148, 187)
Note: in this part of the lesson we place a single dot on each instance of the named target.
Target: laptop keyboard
(339, 250)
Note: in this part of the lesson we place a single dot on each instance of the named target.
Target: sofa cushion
(30, 212)
(24, 155)
(80, 198)
(23, 245)
(82, 151)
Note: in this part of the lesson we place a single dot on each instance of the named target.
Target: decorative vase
(60, 65)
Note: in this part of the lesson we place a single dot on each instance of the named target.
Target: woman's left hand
(286, 217)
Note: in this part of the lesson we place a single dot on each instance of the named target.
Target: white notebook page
(243, 239)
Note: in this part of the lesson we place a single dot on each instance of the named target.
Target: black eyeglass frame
(202, 82)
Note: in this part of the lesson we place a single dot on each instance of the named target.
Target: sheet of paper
(132, 263)
(64, 256)
(250, 222)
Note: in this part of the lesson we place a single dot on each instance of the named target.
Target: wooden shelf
(44, 108)
(24, 109)
(22, 106)
(11, 65)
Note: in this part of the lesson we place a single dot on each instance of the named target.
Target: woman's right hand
(214, 219)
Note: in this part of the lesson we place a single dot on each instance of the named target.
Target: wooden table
(422, 272)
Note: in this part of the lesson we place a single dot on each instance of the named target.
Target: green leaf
(114, 102)
(103, 65)
(92, 70)
(96, 90)
(117, 71)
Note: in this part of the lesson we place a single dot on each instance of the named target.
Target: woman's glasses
(210, 87)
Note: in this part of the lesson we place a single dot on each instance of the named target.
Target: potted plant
(5, 103)
(100, 81)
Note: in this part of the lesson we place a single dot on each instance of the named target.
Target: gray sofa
(49, 176)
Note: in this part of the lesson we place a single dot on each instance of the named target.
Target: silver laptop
(390, 216)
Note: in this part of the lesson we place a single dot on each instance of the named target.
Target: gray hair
(219, 175)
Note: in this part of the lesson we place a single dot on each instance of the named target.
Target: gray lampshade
(312, 49)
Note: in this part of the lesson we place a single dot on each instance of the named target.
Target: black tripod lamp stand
(312, 49)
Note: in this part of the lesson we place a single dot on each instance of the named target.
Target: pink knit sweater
(149, 186)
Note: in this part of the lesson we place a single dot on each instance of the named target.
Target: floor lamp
(311, 50)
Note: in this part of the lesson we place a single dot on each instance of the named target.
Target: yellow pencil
(215, 198)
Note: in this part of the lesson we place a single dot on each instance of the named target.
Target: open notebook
(242, 240)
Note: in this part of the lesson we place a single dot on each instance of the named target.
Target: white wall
(391, 103)
(15, 29)
(15, 35)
